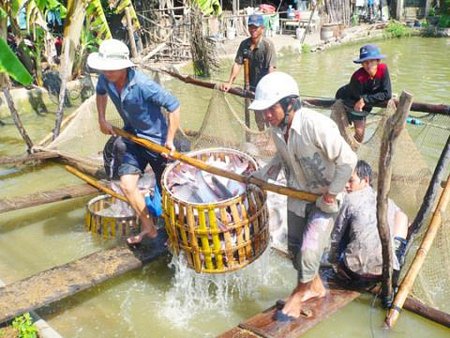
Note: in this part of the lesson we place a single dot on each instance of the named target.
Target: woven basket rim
(194, 153)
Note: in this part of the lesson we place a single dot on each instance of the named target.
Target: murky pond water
(151, 302)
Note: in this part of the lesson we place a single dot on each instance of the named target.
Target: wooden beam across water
(263, 324)
(45, 197)
(66, 280)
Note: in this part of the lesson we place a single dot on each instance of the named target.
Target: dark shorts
(342, 94)
(136, 158)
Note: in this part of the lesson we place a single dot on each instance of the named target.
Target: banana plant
(11, 65)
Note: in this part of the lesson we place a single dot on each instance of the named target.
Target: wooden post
(419, 259)
(394, 126)
(134, 52)
(247, 100)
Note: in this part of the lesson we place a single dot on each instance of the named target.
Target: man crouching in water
(315, 159)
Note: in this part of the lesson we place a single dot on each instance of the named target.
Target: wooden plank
(66, 280)
(21, 159)
(263, 324)
(44, 197)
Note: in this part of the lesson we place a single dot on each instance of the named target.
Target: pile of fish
(193, 185)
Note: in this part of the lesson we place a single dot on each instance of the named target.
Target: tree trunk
(72, 32)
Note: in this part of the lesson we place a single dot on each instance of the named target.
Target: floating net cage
(217, 237)
(108, 217)
(415, 158)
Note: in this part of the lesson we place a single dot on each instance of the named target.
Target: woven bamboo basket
(193, 227)
(107, 226)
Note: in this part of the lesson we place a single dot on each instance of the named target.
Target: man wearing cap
(261, 55)
(368, 86)
(138, 100)
(315, 159)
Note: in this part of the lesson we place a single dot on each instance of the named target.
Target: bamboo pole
(247, 100)
(432, 191)
(419, 259)
(441, 109)
(394, 126)
(95, 183)
(306, 196)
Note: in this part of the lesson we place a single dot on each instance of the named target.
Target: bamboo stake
(394, 126)
(306, 196)
(419, 259)
(95, 183)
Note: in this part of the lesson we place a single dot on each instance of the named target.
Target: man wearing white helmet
(138, 100)
(316, 159)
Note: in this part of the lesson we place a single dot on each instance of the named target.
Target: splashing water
(193, 294)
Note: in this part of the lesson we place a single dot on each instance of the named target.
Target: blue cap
(369, 52)
(256, 20)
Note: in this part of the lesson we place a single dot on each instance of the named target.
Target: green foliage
(98, 19)
(10, 64)
(432, 12)
(444, 21)
(25, 327)
(306, 48)
(395, 29)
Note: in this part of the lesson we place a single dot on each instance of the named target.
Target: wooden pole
(95, 183)
(309, 24)
(45, 197)
(16, 118)
(247, 100)
(134, 52)
(419, 259)
(306, 196)
(394, 126)
(441, 109)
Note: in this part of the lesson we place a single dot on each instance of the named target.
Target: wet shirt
(371, 90)
(315, 159)
(262, 57)
(139, 104)
(355, 237)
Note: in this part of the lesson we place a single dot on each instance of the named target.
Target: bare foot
(302, 293)
(150, 232)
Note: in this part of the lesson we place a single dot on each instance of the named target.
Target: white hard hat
(272, 88)
(112, 55)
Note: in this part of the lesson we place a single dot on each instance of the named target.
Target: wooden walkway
(44, 197)
(66, 280)
(263, 324)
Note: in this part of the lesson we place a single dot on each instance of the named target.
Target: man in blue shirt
(138, 101)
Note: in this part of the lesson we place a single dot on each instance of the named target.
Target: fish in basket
(220, 224)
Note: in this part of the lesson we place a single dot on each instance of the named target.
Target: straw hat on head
(112, 55)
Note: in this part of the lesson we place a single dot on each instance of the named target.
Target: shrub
(396, 29)
(25, 327)
(444, 21)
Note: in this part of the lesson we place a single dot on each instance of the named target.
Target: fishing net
(415, 156)
(417, 151)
